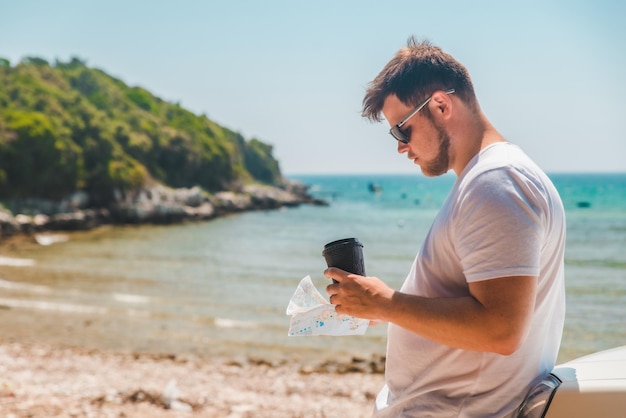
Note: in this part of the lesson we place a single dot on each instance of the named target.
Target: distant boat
(583, 204)
(374, 188)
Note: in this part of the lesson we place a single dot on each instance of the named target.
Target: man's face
(429, 145)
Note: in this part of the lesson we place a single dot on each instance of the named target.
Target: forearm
(461, 322)
(494, 316)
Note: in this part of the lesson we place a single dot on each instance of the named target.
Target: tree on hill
(68, 127)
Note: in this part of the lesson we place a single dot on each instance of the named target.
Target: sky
(549, 75)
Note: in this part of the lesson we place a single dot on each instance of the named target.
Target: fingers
(336, 274)
(332, 273)
(332, 289)
(337, 290)
(333, 301)
(337, 295)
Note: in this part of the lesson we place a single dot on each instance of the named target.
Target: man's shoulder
(500, 164)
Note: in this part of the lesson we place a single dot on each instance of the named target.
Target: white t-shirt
(503, 217)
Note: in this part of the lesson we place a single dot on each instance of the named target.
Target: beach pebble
(48, 381)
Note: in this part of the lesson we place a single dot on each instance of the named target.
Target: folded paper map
(311, 314)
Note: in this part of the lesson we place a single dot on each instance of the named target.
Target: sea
(220, 288)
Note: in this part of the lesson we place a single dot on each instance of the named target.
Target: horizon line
(449, 173)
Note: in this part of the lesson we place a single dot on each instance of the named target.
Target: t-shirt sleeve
(498, 227)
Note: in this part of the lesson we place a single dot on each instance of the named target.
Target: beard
(441, 163)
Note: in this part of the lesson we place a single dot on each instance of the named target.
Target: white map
(311, 314)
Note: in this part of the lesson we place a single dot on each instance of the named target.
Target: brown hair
(413, 74)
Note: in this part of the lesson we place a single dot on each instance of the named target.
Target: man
(480, 316)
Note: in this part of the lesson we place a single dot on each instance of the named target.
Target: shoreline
(157, 205)
(72, 375)
(58, 381)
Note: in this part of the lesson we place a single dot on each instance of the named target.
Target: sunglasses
(396, 130)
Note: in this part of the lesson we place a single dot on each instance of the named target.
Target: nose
(402, 147)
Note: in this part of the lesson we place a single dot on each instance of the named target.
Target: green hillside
(66, 127)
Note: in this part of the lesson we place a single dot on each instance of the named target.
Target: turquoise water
(221, 287)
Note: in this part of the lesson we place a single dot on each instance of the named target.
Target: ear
(440, 105)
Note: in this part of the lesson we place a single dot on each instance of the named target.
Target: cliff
(80, 147)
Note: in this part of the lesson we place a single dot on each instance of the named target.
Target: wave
(16, 262)
(617, 264)
(233, 323)
(127, 298)
(35, 288)
(49, 239)
(44, 305)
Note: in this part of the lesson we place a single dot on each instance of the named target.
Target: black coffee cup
(346, 254)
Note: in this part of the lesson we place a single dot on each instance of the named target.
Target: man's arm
(495, 317)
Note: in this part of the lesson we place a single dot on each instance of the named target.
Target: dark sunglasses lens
(399, 135)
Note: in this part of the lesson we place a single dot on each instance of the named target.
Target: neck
(476, 134)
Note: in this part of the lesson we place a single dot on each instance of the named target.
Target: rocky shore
(156, 204)
(47, 381)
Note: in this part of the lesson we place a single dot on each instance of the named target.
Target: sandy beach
(56, 365)
(39, 380)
